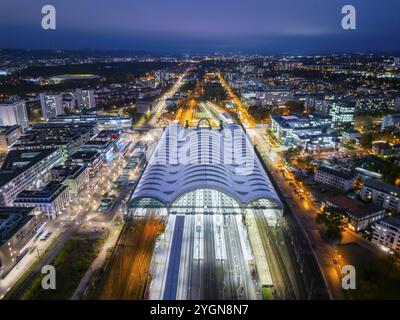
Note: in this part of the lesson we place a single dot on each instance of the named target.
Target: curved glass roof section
(202, 158)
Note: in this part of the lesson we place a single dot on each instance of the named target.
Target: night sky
(203, 26)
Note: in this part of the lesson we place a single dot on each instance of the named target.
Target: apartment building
(387, 233)
(334, 178)
(382, 194)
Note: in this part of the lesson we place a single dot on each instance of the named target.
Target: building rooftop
(68, 171)
(12, 219)
(18, 161)
(47, 193)
(394, 221)
(85, 155)
(6, 130)
(394, 115)
(86, 117)
(218, 160)
(97, 143)
(382, 186)
(353, 207)
(336, 173)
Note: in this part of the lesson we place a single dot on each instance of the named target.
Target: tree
(295, 106)
(333, 219)
(289, 154)
(366, 140)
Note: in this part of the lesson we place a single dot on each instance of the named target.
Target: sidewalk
(97, 263)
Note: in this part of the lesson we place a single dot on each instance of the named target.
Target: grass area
(266, 293)
(95, 279)
(70, 263)
(377, 275)
(378, 280)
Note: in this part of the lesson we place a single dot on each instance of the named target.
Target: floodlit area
(204, 256)
(221, 223)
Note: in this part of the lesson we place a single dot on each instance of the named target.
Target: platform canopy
(204, 168)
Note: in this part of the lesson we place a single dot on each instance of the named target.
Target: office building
(92, 160)
(85, 99)
(374, 103)
(351, 135)
(341, 113)
(274, 96)
(19, 227)
(391, 121)
(382, 148)
(105, 122)
(68, 137)
(75, 177)
(309, 133)
(334, 178)
(52, 105)
(8, 136)
(105, 148)
(52, 199)
(143, 106)
(24, 169)
(14, 114)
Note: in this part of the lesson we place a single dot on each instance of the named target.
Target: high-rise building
(85, 99)
(14, 114)
(342, 113)
(52, 105)
(69, 101)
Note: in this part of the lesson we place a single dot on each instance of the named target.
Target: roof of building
(382, 186)
(97, 144)
(290, 121)
(86, 117)
(336, 173)
(18, 161)
(6, 130)
(69, 171)
(190, 159)
(353, 207)
(48, 193)
(394, 221)
(12, 219)
(393, 116)
(85, 155)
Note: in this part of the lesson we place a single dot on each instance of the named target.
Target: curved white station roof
(189, 159)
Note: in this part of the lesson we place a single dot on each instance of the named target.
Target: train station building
(204, 170)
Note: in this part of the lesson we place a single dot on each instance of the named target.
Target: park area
(70, 263)
(377, 276)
